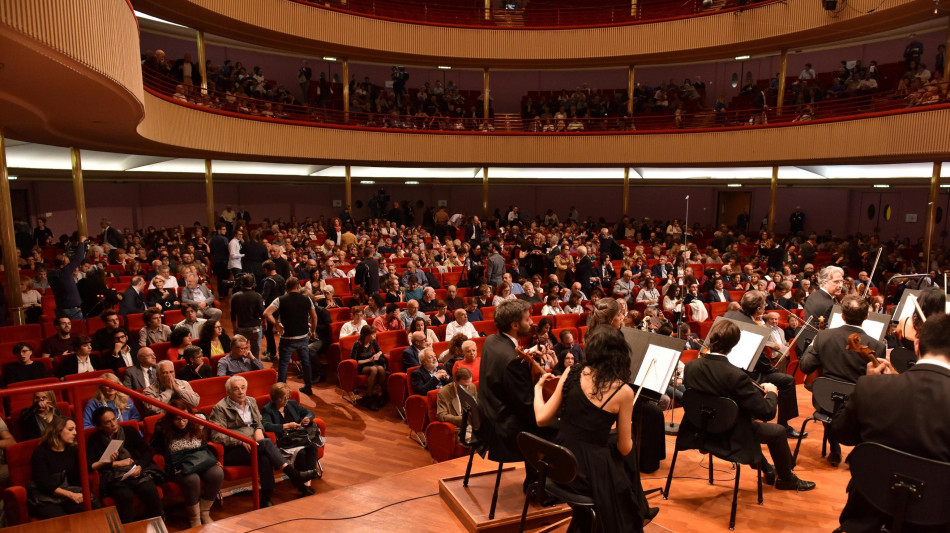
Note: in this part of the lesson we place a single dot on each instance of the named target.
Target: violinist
(714, 374)
(819, 303)
(506, 388)
(909, 412)
(752, 305)
(829, 353)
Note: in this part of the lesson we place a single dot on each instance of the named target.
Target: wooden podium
(104, 520)
(471, 504)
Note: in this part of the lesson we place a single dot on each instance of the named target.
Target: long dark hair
(169, 429)
(932, 301)
(206, 333)
(608, 356)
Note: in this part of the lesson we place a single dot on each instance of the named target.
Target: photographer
(400, 76)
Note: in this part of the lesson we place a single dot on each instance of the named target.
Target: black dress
(601, 474)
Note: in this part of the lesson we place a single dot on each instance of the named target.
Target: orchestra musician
(506, 388)
(752, 305)
(819, 303)
(714, 374)
(909, 412)
(829, 353)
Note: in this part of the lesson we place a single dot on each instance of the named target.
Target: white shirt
(126, 355)
(234, 253)
(171, 282)
(468, 330)
(84, 366)
(932, 361)
(349, 329)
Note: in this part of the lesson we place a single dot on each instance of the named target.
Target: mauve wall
(166, 204)
(508, 86)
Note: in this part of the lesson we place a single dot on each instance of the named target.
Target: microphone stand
(686, 222)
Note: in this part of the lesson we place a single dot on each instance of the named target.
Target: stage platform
(409, 501)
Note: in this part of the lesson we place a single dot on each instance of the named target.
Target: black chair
(712, 415)
(902, 359)
(828, 395)
(472, 417)
(556, 466)
(909, 488)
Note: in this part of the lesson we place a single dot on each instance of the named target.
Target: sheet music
(657, 368)
(746, 350)
(908, 308)
(873, 328)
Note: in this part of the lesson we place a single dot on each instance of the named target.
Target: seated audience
(120, 354)
(60, 343)
(240, 359)
(24, 368)
(448, 406)
(289, 421)
(552, 305)
(191, 320)
(461, 325)
(195, 366)
(160, 297)
(355, 324)
(125, 475)
(389, 321)
(120, 403)
(143, 373)
(419, 324)
(37, 417)
(180, 341)
(430, 375)
(183, 443)
(81, 360)
(154, 331)
(199, 295)
(213, 340)
(371, 362)
(567, 345)
(103, 338)
(239, 413)
(166, 386)
(54, 472)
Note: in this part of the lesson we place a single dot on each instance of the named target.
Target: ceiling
(33, 160)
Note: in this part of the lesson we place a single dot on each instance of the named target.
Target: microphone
(687, 197)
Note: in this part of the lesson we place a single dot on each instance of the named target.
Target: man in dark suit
(718, 293)
(369, 271)
(584, 270)
(473, 231)
(110, 235)
(753, 304)
(505, 388)
(410, 356)
(219, 255)
(132, 299)
(495, 269)
(829, 352)
(819, 303)
(143, 373)
(909, 412)
(608, 245)
(660, 270)
(714, 374)
(430, 376)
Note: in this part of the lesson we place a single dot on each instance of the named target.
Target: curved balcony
(771, 26)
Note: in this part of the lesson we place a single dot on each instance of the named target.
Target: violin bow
(867, 288)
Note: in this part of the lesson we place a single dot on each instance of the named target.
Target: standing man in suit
(718, 293)
(752, 304)
(909, 412)
(367, 272)
(110, 235)
(819, 303)
(584, 270)
(132, 299)
(495, 270)
(143, 373)
(473, 231)
(714, 374)
(505, 388)
(219, 255)
(448, 406)
(829, 352)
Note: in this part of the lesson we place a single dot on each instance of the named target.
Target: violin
(811, 377)
(534, 361)
(854, 345)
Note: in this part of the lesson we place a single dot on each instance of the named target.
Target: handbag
(193, 461)
(37, 498)
(305, 436)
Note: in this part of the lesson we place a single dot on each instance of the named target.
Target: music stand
(752, 341)
(653, 360)
(906, 306)
(875, 325)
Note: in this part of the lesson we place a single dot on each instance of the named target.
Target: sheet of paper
(872, 327)
(131, 471)
(655, 376)
(746, 350)
(113, 447)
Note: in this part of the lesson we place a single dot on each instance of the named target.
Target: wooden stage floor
(371, 464)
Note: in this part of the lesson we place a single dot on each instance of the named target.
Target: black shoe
(306, 490)
(794, 483)
(266, 503)
(366, 401)
(768, 472)
(306, 390)
(651, 513)
(380, 401)
(793, 433)
(307, 475)
(550, 501)
(319, 379)
(834, 459)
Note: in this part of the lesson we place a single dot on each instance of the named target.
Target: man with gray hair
(167, 387)
(240, 358)
(201, 296)
(171, 282)
(818, 305)
(410, 313)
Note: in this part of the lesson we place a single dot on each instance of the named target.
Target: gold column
(346, 96)
(349, 188)
(487, 9)
(78, 192)
(946, 64)
(625, 202)
(932, 211)
(202, 68)
(485, 192)
(10, 267)
(209, 196)
(486, 93)
(630, 87)
(773, 194)
(781, 81)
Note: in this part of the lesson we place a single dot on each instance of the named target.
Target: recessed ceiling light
(367, 182)
(742, 58)
(412, 182)
(329, 58)
(734, 185)
(444, 67)
(881, 186)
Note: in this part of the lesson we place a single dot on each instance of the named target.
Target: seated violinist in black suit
(909, 412)
(714, 374)
(829, 352)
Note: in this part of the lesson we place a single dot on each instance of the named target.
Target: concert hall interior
(474, 265)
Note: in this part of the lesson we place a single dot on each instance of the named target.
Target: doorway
(731, 206)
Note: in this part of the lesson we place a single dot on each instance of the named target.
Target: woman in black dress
(54, 472)
(590, 398)
(372, 363)
(160, 297)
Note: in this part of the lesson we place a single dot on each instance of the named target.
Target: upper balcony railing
(532, 15)
(668, 121)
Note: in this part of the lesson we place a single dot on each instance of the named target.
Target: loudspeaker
(830, 5)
